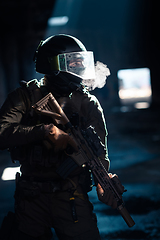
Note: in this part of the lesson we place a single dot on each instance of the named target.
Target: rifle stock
(88, 151)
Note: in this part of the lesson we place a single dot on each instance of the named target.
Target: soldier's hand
(106, 197)
(117, 184)
(59, 138)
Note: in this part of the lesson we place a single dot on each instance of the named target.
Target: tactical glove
(107, 196)
(59, 138)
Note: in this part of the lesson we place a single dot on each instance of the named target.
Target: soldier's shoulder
(31, 85)
(84, 92)
(23, 93)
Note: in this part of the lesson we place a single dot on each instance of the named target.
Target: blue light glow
(58, 21)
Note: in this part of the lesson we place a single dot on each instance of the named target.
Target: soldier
(44, 200)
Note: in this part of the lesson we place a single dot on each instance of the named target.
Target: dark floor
(134, 151)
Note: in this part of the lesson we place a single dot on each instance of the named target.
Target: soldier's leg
(31, 211)
(74, 224)
(9, 230)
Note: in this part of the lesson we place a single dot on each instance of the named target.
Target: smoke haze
(101, 74)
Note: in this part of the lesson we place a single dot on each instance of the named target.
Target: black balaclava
(63, 84)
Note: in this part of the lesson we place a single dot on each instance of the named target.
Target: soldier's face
(76, 63)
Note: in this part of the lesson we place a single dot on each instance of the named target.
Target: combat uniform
(44, 200)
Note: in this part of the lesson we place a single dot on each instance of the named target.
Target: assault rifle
(90, 150)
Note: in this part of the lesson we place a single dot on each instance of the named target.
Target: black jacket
(21, 128)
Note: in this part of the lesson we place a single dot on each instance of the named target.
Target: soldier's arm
(95, 117)
(12, 132)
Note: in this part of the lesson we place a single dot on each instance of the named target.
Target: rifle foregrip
(126, 216)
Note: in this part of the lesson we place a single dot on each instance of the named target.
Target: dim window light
(140, 105)
(10, 173)
(135, 87)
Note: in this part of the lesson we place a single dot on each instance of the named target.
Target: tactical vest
(36, 159)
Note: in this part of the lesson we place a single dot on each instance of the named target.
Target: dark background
(122, 34)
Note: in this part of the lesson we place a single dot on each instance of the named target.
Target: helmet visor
(80, 64)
